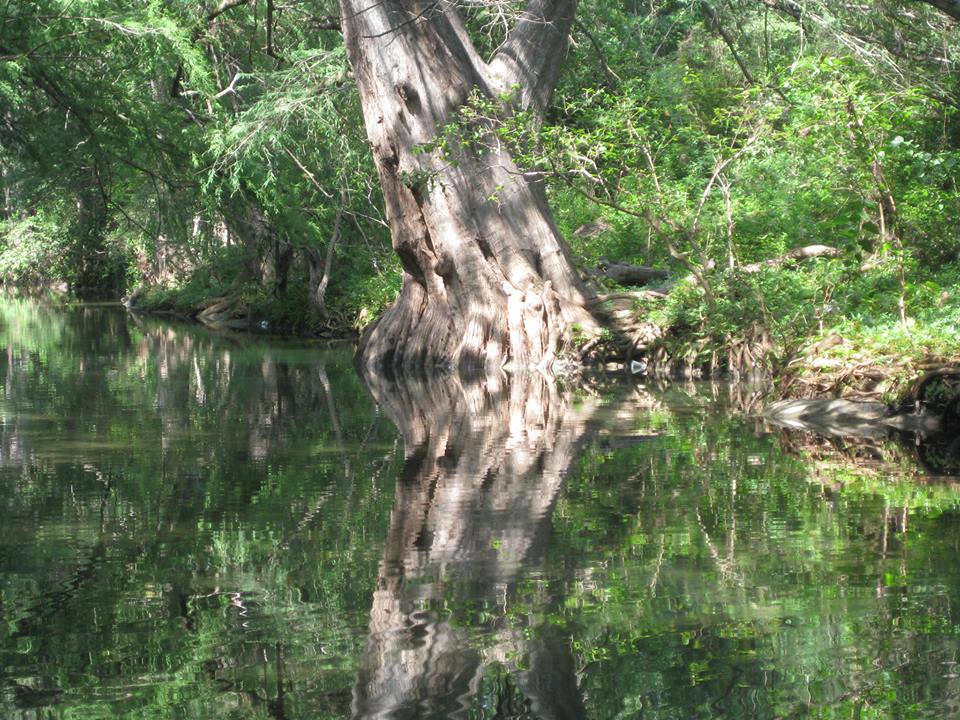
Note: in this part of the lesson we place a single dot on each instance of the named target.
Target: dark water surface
(204, 526)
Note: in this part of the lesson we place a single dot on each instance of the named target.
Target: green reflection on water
(208, 526)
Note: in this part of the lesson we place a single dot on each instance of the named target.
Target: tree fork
(487, 279)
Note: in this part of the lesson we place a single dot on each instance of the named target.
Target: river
(201, 525)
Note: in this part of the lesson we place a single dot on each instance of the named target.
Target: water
(205, 526)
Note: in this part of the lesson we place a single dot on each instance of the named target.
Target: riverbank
(245, 309)
(823, 329)
(817, 330)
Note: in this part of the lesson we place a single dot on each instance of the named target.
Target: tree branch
(325, 22)
(803, 253)
(786, 7)
(223, 7)
(713, 18)
(613, 80)
(531, 56)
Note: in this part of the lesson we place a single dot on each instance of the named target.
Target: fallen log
(592, 229)
(803, 253)
(627, 274)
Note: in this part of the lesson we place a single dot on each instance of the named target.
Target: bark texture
(487, 278)
(485, 465)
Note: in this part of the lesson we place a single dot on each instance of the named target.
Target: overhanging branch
(223, 7)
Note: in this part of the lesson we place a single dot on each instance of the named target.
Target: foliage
(32, 250)
(702, 137)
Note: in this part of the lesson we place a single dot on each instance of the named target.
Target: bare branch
(713, 18)
(787, 7)
(309, 175)
(613, 80)
(223, 7)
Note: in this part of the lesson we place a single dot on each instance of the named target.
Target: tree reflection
(485, 462)
(193, 525)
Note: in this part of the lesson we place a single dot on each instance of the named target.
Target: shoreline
(807, 389)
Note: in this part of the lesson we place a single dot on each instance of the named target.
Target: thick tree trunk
(487, 277)
(950, 7)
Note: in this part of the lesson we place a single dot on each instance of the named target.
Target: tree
(487, 278)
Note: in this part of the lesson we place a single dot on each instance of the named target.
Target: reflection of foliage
(733, 574)
(195, 526)
(694, 565)
(198, 477)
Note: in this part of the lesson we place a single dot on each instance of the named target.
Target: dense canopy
(213, 159)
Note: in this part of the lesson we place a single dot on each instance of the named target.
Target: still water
(208, 526)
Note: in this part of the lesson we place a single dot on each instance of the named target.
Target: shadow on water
(485, 463)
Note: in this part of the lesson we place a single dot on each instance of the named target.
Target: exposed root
(217, 312)
(907, 385)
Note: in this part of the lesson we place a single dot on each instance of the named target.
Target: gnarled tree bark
(487, 278)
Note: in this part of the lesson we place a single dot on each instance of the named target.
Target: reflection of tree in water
(485, 463)
(192, 523)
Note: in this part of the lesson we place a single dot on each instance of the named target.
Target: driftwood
(804, 253)
(627, 274)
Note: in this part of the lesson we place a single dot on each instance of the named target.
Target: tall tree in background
(487, 277)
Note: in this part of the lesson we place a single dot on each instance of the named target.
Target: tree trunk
(950, 7)
(280, 258)
(94, 272)
(267, 252)
(7, 211)
(487, 278)
(320, 267)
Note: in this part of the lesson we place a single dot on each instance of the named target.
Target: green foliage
(31, 251)
(198, 152)
(221, 158)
